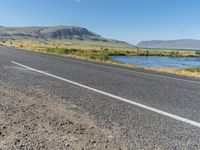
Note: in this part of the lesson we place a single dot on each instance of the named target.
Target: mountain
(184, 44)
(64, 33)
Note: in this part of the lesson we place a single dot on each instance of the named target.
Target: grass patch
(193, 72)
(195, 69)
(89, 54)
(61, 50)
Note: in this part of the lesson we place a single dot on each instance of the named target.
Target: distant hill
(64, 33)
(185, 44)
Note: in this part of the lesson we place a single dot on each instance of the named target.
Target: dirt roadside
(34, 119)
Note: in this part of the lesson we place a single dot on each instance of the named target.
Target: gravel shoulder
(34, 119)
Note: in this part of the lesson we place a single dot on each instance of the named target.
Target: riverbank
(102, 54)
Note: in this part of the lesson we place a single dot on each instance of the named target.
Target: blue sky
(128, 20)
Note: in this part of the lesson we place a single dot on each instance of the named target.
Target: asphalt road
(149, 110)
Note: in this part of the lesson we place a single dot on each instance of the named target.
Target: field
(97, 52)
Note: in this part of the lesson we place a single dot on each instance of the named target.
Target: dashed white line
(160, 112)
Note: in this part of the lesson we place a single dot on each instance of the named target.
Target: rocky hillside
(57, 33)
(67, 32)
(185, 44)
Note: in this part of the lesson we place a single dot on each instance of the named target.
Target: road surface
(149, 110)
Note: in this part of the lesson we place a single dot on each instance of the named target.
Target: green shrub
(197, 69)
(172, 53)
(61, 50)
(197, 52)
(147, 53)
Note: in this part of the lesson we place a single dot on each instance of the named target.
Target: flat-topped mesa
(67, 31)
(73, 34)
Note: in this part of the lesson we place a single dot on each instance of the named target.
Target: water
(159, 61)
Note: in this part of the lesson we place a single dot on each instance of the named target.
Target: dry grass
(176, 71)
(100, 53)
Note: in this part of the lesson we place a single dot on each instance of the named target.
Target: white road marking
(178, 118)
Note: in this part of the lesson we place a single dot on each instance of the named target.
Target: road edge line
(160, 112)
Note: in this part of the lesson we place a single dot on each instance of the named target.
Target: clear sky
(128, 20)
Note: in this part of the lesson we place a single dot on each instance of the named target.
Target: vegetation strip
(102, 53)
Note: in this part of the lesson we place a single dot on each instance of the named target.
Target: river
(159, 61)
